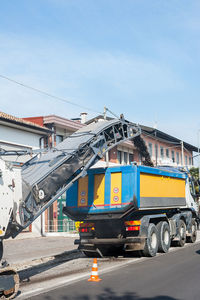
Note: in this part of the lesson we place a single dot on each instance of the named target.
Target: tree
(195, 174)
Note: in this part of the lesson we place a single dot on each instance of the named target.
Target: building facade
(19, 135)
(163, 149)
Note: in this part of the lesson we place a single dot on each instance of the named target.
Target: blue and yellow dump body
(116, 189)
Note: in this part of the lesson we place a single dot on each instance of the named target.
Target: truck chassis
(150, 233)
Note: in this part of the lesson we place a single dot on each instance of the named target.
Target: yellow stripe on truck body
(161, 186)
(99, 189)
(156, 190)
(83, 191)
(116, 188)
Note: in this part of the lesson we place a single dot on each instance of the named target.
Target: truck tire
(164, 240)
(181, 233)
(192, 238)
(151, 243)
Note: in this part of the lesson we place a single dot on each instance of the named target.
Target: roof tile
(19, 120)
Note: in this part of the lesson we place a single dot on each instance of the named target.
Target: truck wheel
(151, 243)
(181, 233)
(192, 238)
(164, 240)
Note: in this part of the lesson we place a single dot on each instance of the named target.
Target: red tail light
(83, 230)
(132, 225)
(86, 227)
(133, 228)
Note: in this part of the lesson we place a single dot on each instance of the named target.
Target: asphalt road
(172, 276)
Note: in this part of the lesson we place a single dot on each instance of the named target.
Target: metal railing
(65, 225)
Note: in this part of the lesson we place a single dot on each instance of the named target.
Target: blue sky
(138, 57)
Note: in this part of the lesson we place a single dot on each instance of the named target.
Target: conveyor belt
(47, 176)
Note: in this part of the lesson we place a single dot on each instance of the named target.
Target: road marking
(108, 269)
(30, 292)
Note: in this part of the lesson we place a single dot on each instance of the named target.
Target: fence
(65, 225)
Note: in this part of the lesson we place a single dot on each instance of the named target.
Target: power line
(196, 155)
(48, 95)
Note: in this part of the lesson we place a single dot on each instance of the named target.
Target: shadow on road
(198, 252)
(106, 295)
(59, 259)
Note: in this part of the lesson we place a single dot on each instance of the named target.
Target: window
(161, 152)
(119, 156)
(43, 143)
(186, 160)
(177, 158)
(173, 158)
(150, 149)
(125, 158)
(59, 139)
(131, 158)
(190, 161)
(167, 153)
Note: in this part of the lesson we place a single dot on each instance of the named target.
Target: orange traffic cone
(94, 276)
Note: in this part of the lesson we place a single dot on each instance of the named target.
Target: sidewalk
(26, 249)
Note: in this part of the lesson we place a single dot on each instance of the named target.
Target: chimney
(155, 126)
(83, 117)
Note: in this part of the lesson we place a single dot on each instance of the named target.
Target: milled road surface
(27, 249)
(172, 276)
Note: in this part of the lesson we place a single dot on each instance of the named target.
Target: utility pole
(104, 112)
(182, 154)
(107, 153)
(199, 151)
(156, 148)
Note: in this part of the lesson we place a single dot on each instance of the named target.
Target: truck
(129, 208)
(120, 209)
